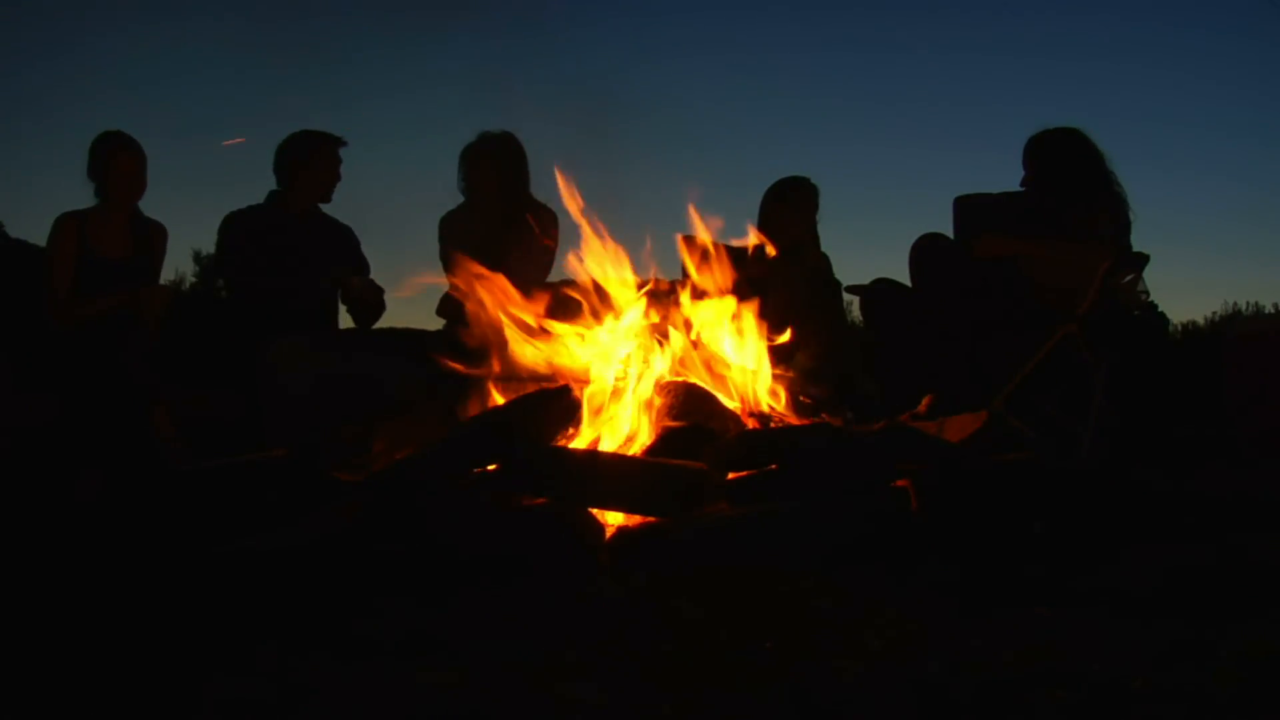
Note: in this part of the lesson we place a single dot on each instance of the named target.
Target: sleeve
(549, 235)
(228, 252)
(351, 258)
(445, 239)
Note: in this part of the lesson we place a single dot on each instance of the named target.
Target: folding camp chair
(1085, 309)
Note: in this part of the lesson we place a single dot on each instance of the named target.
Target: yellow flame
(632, 335)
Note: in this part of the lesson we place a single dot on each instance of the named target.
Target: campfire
(630, 346)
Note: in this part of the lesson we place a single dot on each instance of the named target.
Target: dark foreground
(1151, 597)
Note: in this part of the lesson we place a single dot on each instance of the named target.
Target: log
(687, 403)
(535, 419)
(607, 481)
(691, 443)
(760, 448)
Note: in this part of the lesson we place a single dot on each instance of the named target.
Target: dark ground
(1150, 601)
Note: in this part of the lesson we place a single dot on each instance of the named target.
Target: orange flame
(416, 284)
(631, 335)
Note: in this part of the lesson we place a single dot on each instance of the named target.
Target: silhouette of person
(798, 288)
(25, 278)
(1069, 194)
(285, 263)
(1067, 176)
(499, 223)
(104, 272)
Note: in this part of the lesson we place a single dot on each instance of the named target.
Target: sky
(893, 108)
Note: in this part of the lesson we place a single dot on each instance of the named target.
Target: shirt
(283, 270)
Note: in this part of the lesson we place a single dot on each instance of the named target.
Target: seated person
(499, 223)
(104, 265)
(798, 289)
(970, 297)
(285, 262)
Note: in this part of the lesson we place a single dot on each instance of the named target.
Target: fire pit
(663, 375)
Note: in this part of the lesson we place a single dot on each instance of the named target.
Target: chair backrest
(1070, 277)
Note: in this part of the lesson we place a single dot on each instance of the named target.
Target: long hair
(500, 153)
(1066, 162)
(105, 148)
(787, 202)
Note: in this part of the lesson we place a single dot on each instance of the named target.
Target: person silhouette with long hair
(798, 289)
(105, 263)
(499, 223)
(1066, 175)
(1070, 195)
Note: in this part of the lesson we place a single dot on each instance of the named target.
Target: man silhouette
(285, 263)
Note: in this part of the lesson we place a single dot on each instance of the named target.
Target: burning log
(687, 403)
(694, 421)
(607, 481)
(691, 443)
(537, 418)
(760, 448)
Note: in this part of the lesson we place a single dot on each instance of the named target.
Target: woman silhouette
(1067, 176)
(499, 223)
(798, 289)
(105, 262)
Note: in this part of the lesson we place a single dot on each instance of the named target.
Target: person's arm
(227, 255)
(364, 298)
(63, 254)
(450, 308)
(159, 247)
(548, 232)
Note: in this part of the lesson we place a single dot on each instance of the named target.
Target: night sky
(893, 108)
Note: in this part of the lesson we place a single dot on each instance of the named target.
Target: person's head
(788, 214)
(117, 168)
(1065, 162)
(494, 167)
(308, 165)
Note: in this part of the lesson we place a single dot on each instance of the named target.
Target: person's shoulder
(71, 217)
(455, 216)
(67, 225)
(542, 210)
(335, 227)
(154, 227)
(248, 213)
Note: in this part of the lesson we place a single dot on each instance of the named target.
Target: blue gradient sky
(892, 108)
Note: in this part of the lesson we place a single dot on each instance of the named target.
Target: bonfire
(620, 337)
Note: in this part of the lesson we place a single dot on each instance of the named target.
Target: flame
(417, 283)
(631, 335)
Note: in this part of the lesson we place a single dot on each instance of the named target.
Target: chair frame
(1121, 275)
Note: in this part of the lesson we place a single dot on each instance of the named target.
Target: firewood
(607, 481)
(534, 419)
(687, 403)
(759, 448)
(692, 443)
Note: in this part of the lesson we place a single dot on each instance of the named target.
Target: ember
(626, 337)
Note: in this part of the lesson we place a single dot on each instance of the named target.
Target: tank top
(99, 277)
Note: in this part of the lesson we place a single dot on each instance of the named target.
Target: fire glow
(625, 336)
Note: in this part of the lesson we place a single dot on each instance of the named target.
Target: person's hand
(365, 301)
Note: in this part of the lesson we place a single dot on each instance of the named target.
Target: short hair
(502, 151)
(792, 195)
(296, 151)
(106, 147)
